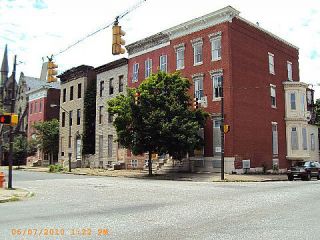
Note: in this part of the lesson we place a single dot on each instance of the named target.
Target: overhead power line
(100, 29)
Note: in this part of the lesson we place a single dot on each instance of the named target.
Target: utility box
(246, 165)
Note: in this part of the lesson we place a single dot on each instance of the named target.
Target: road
(151, 209)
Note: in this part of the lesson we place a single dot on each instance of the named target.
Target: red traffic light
(5, 119)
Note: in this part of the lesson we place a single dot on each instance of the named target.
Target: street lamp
(69, 138)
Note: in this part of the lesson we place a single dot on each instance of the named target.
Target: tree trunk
(150, 164)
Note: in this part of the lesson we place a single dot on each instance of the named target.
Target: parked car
(304, 171)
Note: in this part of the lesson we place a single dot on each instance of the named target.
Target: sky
(35, 29)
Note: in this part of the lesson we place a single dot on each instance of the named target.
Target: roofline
(111, 65)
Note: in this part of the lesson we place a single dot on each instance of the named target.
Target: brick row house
(264, 101)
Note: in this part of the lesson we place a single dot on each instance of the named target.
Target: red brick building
(39, 108)
(253, 64)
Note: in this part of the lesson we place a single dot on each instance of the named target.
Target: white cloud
(33, 33)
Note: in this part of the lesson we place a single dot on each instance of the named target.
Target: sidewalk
(195, 177)
(13, 195)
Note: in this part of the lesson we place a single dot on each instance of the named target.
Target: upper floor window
(198, 86)
(79, 90)
(273, 96)
(215, 40)
(180, 55)
(78, 116)
(135, 72)
(271, 63)
(63, 119)
(71, 93)
(148, 68)
(197, 51)
(289, 68)
(35, 107)
(303, 97)
(100, 114)
(31, 106)
(110, 86)
(121, 83)
(110, 118)
(64, 95)
(293, 101)
(40, 106)
(163, 63)
(304, 139)
(217, 88)
(70, 118)
(101, 88)
(313, 144)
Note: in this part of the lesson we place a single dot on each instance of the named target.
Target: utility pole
(222, 131)
(13, 96)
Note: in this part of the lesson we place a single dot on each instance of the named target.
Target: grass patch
(12, 199)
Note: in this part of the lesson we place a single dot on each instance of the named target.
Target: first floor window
(313, 144)
(100, 114)
(304, 139)
(100, 146)
(110, 144)
(217, 88)
(294, 139)
(134, 163)
(273, 96)
(274, 138)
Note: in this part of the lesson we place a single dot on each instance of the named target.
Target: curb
(17, 197)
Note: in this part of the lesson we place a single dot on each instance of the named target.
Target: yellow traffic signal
(52, 72)
(226, 128)
(9, 119)
(117, 41)
(195, 103)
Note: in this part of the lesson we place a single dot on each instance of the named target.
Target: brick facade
(244, 66)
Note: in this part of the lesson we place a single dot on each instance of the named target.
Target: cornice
(294, 84)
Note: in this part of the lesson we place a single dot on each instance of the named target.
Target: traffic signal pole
(11, 136)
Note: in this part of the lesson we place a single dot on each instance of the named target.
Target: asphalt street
(82, 207)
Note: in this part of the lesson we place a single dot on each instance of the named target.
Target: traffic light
(195, 103)
(52, 72)
(117, 41)
(9, 119)
(137, 98)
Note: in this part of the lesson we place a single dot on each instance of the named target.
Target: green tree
(47, 137)
(162, 122)
(317, 111)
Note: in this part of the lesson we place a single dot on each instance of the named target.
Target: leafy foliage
(88, 138)
(163, 122)
(47, 136)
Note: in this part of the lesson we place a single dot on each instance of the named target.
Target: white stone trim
(215, 72)
(179, 46)
(149, 50)
(214, 35)
(197, 75)
(197, 41)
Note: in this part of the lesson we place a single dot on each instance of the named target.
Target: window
(121, 83)
(64, 95)
(289, 68)
(63, 119)
(100, 114)
(110, 118)
(217, 123)
(163, 63)
(110, 143)
(40, 106)
(304, 139)
(217, 88)
(180, 58)
(78, 116)
(79, 90)
(312, 144)
(197, 53)
(293, 101)
(135, 72)
(70, 118)
(271, 63)
(69, 143)
(35, 107)
(148, 68)
(198, 87)
(62, 146)
(134, 163)
(71, 93)
(275, 150)
(31, 107)
(294, 139)
(101, 88)
(273, 96)
(302, 102)
(100, 146)
(216, 48)
(110, 86)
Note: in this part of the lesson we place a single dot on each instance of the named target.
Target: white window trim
(271, 71)
(289, 76)
(135, 73)
(275, 94)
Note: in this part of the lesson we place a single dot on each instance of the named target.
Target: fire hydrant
(2, 180)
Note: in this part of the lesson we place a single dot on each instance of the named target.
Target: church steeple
(4, 67)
